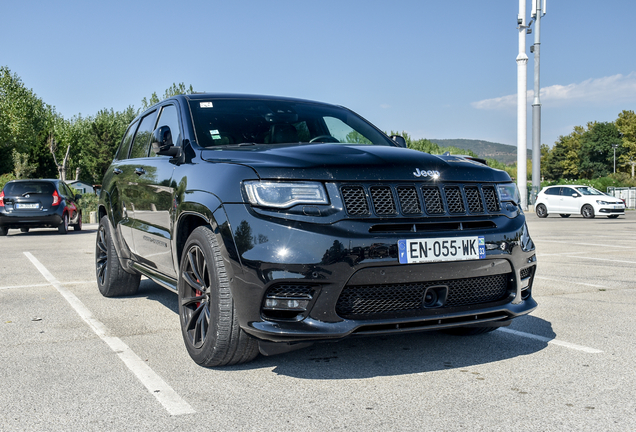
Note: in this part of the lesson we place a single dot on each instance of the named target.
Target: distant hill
(504, 153)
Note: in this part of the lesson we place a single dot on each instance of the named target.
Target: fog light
(295, 304)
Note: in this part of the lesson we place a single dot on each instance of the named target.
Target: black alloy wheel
(587, 211)
(209, 323)
(112, 279)
(542, 211)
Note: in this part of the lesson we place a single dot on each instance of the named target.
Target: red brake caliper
(198, 293)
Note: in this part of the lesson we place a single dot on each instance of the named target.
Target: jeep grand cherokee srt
(282, 222)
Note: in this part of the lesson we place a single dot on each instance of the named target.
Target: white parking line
(605, 246)
(570, 281)
(46, 284)
(170, 400)
(551, 341)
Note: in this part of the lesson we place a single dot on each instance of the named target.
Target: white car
(574, 199)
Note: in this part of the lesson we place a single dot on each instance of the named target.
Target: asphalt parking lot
(73, 360)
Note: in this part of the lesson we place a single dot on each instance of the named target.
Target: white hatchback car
(574, 199)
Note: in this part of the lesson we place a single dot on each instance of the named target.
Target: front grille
(290, 290)
(410, 200)
(383, 202)
(526, 272)
(355, 200)
(368, 301)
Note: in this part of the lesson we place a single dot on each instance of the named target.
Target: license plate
(618, 207)
(27, 206)
(441, 249)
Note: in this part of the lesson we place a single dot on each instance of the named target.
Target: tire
(563, 215)
(587, 211)
(3, 231)
(469, 331)
(613, 216)
(78, 225)
(112, 279)
(24, 230)
(63, 228)
(542, 212)
(209, 323)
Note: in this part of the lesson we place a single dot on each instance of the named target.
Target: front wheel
(209, 323)
(542, 211)
(112, 279)
(78, 225)
(63, 228)
(587, 211)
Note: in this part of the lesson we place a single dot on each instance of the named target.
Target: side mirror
(399, 140)
(162, 142)
(575, 195)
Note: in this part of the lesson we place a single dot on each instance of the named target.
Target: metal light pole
(522, 96)
(537, 13)
(614, 146)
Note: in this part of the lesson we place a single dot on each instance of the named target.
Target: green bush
(6, 178)
(88, 203)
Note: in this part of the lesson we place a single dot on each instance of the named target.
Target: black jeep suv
(281, 222)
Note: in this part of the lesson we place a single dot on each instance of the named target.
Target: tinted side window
(567, 191)
(552, 191)
(142, 137)
(169, 117)
(122, 153)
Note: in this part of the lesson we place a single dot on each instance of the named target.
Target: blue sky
(435, 69)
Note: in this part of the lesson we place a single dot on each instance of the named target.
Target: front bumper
(268, 253)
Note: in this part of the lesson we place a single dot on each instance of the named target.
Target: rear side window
(125, 144)
(141, 142)
(552, 191)
(32, 187)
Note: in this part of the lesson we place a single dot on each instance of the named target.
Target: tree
(175, 89)
(24, 118)
(21, 166)
(596, 153)
(626, 124)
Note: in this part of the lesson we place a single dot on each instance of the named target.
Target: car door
(569, 200)
(552, 197)
(152, 230)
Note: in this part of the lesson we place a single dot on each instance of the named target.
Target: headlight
(285, 194)
(601, 202)
(509, 192)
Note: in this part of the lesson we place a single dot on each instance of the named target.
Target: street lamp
(614, 147)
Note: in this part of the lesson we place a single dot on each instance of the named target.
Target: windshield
(220, 122)
(586, 190)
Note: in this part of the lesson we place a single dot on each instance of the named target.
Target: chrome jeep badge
(429, 173)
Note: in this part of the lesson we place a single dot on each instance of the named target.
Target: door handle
(140, 171)
(117, 171)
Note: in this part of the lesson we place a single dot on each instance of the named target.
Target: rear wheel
(63, 228)
(24, 230)
(469, 331)
(542, 211)
(587, 211)
(209, 323)
(112, 279)
(563, 215)
(613, 216)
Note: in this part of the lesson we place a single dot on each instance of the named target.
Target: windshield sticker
(206, 105)
(215, 134)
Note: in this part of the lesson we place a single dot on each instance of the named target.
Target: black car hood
(338, 162)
